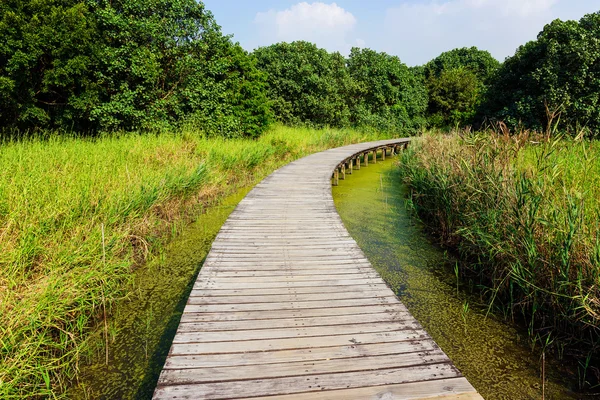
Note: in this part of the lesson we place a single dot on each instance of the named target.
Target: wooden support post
(383, 153)
(375, 156)
(358, 162)
(343, 169)
(336, 177)
(351, 166)
(366, 157)
(405, 145)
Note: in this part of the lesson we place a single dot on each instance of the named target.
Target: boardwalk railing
(286, 305)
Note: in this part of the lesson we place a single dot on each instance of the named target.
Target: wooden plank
(291, 278)
(190, 316)
(296, 332)
(208, 284)
(299, 368)
(199, 298)
(442, 389)
(245, 292)
(228, 271)
(291, 305)
(296, 343)
(330, 321)
(307, 383)
(348, 352)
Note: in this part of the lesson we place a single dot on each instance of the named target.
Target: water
(142, 328)
(493, 355)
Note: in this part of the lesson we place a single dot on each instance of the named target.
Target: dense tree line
(124, 65)
(102, 65)
(308, 85)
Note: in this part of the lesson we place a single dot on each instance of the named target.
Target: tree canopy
(560, 70)
(306, 84)
(456, 81)
(135, 64)
(387, 94)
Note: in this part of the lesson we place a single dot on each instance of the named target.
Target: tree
(125, 65)
(455, 81)
(453, 96)
(559, 72)
(47, 51)
(307, 85)
(387, 94)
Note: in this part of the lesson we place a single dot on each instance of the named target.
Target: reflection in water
(493, 355)
(142, 328)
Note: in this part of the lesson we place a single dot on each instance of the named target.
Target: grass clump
(524, 212)
(78, 216)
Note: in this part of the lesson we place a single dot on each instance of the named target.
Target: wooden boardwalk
(287, 306)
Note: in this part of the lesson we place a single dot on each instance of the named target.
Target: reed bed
(79, 216)
(523, 211)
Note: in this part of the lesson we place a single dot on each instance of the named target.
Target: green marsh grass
(78, 216)
(524, 212)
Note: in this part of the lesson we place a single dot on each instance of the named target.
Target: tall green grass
(77, 216)
(525, 213)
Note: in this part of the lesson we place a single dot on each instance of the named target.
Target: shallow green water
(141, 329)
(493, 355)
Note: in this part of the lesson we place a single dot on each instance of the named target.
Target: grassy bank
(77, 217)
(525, 214)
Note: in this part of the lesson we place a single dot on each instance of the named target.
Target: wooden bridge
(287, 306)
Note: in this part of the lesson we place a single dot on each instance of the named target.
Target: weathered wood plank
(295, 332)
(330, 321)
(299, 368)
(307, 383)
(190, 316)
(348, 352)
(199, 298)
(443, 389)
(290, 305)
(296, 343)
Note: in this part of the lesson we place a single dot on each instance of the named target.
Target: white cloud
(419, 32)
(327, 25)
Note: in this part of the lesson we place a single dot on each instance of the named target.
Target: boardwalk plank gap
(287, 306)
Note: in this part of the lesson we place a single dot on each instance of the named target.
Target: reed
(522, 211)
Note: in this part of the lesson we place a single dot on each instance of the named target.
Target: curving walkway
(287, 306)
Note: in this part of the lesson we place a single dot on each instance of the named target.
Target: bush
(455, 81)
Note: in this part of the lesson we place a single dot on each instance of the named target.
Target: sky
(414, 30)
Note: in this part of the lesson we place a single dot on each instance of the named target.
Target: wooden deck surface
(287, 306)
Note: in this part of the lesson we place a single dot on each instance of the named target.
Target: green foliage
(455, 80)
(47, 51)
(479, 62)
(112, 65)
(307, 85)
(387, 94)
(453, 96)
(560, 70)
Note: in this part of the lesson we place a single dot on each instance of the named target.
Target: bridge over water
(286, 305)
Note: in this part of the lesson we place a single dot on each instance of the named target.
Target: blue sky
(414, 30)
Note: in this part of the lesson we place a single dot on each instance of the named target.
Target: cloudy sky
(414, 30)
